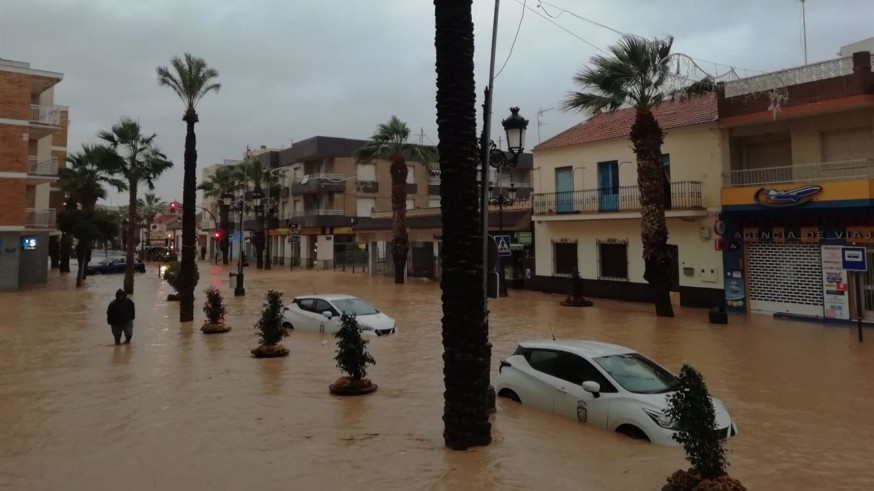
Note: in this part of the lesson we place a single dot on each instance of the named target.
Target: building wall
(696, 155)
(32, 264)
(14, 96)
(9, 252)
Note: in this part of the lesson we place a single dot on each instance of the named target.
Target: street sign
(524, 238)
(235, 237)
(854, 259)
(503, 242)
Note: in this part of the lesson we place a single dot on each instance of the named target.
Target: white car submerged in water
(321, 313)
(605, 385)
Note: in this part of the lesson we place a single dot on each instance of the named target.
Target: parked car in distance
(322, 313)
(114, 265)
(158, 253)
(601, 384)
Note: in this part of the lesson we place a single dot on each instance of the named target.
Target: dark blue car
(114, 265)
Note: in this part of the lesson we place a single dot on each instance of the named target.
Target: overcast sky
(295, 69)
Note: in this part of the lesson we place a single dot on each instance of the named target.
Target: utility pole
(804, 29)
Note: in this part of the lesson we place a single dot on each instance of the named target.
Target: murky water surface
(181, 410)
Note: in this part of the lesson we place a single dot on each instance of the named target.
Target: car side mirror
(328, 314)
(593, 387)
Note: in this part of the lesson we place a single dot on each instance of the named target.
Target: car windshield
(354, 306)
(638, 374)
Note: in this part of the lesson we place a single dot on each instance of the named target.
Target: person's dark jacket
(120, 311)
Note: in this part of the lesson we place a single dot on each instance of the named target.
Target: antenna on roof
(550, 330)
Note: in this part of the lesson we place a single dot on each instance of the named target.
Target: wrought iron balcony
(685, 195)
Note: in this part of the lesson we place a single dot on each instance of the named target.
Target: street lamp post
(240, 207)
(271, 210)
(514, 127)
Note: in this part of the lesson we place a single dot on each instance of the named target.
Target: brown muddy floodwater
(181, 410)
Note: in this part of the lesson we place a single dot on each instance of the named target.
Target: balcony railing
(821, 171)
(319, 183)
(322, 176)
(50, 115)
(319, 212)
(685, 195)
(48, 167)
(40, 218)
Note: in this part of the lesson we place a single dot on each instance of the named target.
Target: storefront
(784, 256)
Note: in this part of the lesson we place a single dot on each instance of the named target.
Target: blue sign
(854, 259)
(235, 236)
(503, 242)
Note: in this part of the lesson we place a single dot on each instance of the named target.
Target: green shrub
(171, 274)
(214, 308)
(352, 357)
(269, 326)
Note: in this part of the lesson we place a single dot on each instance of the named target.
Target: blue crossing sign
(503, 242)
(854, 259)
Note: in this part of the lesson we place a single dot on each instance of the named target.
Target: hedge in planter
(352, 359)
(269, 326)
(575, 295)
(214, 308)
(171, 276)
(692, 407)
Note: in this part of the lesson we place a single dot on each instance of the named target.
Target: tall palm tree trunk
(224, 243)
(400, 241)
(467, 352)
(647, 136)
(131, 237)
(189, 190)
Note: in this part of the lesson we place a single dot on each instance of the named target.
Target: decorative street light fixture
(514, 126)
(240, 206)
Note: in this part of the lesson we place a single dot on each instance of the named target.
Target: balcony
(434, 186)
(41, 171)
(369, 186)
(821, 171)
(319, 183)
(604, 203)
(321, 217)
(44, 120)
(39, 218)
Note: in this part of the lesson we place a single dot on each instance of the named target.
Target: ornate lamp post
(241, 207)
(258, 239)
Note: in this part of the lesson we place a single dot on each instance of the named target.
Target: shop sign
(810, 235)
(311, 231)
(835, 291)
(277, 231)
(343, 231)
(792, 197)
(523, 238)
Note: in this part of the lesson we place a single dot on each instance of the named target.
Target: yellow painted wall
(694, 251)
(696, 155)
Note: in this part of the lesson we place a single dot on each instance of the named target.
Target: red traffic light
(218, 235)
(174, 206)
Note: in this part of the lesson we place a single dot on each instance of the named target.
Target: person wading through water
(120, 316)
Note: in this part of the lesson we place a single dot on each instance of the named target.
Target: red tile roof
(604, 126)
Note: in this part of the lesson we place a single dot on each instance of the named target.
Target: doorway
(564, 190)
(608, 185)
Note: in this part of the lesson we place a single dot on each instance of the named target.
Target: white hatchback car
(322, 313)
(601, 384)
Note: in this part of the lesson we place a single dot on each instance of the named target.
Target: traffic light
(218, 235)
(174, 207)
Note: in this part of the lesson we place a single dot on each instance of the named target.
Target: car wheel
(287, 325)
(509, 394)
(633, 432)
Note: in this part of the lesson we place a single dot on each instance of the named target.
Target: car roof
(327, 296)
(591, 349)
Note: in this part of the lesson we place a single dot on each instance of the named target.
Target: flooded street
(181, 410)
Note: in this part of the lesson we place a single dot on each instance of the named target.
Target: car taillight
(504, 363)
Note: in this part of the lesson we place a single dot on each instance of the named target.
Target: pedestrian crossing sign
(503, 242)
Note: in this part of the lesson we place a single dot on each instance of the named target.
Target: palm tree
(637, 73)
(466, 348)
(149, 208)
(133, 156)
(191, 79)
(251, 172)
(222, 181)
(390, 142)
(82, 181)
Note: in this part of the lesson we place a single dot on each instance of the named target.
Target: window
(366, 172)
(411, 174)
(307, 304)
(411, 204)
(355, 306)
(638, 374)
(434, 203)
(564, 256)
(545, 361)
(577, 370)
(613, 261)
(365, 207)
(323, 306)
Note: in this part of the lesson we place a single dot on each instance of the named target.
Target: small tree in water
(352, 357)
(692, 407)
(269, 326)
(214, 308)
